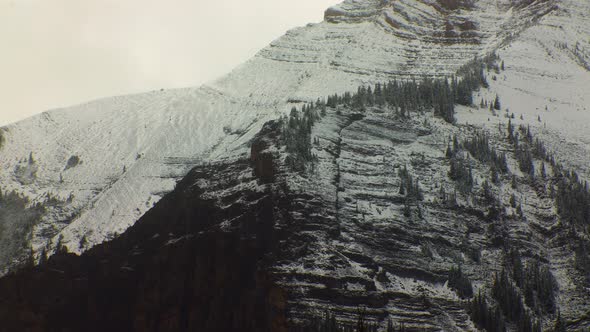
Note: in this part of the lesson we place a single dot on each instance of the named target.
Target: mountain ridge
(360, 213)
(229, 113)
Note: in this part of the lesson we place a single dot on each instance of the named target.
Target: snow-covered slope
(547, 81)
(131, 149)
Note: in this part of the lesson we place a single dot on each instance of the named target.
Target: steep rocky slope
(127, 152)
(366, 243)
(194, 262)
(371, 206)
(373, 220)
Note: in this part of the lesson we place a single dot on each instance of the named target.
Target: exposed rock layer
(132, 149)
(249, 245)
(178, 269)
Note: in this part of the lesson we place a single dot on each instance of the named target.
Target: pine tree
(390, 327)
(484, 316)
(60, 247)
(497, 105)
(407, 210)
(43, 257)
(559, 323)
(449, 152)
(460, 283)
(487, 192)
(513, 182)
(511, 138)
(494, 175)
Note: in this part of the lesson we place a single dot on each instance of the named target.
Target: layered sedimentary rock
(130, 150)
(250, 244)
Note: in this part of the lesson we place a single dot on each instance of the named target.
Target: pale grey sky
(57, 53)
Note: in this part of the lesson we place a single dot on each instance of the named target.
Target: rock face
(364, 243)
(196, 262)
(379, 216)
(159, 136)
(248, 244)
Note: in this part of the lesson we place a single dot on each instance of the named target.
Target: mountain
(335, 227)
(126, 152)
(373, 225)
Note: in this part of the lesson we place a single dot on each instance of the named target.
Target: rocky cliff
(374, 220)
(130, 150)
(355, 205)
(196, 261)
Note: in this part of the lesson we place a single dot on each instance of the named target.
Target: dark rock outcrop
(195, 262)
(260, 157)
(248, 244)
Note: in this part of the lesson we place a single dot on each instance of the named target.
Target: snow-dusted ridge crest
(97, 167)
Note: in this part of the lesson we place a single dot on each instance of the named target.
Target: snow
(134, 148)
(545, 80)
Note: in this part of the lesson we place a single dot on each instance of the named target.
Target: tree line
(402, 97)
(328, 323)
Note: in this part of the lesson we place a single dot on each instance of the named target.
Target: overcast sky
(57, 53)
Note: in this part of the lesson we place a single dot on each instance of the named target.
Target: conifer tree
(497, 105)
(559, 323)
(460, 283)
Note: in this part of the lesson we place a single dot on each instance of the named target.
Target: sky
(57, 53)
